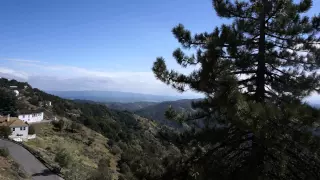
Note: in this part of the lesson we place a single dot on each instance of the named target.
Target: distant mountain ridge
(155, 110)
(132, 107)
(114, 96)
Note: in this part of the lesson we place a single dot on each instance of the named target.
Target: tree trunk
(261, 70)
(257, 153)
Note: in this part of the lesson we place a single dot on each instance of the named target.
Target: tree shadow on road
(45, 172)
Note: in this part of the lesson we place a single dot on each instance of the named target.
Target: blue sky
(82, 44)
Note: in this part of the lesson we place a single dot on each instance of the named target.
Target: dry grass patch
(49, 142)
(8, 170)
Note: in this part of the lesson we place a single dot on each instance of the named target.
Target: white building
(31, 116)
(19, 129)
(16, 92)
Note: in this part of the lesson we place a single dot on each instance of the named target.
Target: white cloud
(59, 77)
(10, 73)
(20, 60)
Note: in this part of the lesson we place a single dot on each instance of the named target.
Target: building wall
(30, 118)
(19, 132)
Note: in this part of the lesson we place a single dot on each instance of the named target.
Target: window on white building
(13, 129)
(22, 116)
(21, 128)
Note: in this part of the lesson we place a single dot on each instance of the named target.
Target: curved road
(29, 163)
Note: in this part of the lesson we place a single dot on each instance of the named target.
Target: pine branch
(278, 37)
(288, 48)
(244, 72)
(240, 16)
(292, 60)
(275, 11)
(296, 41)
(247, 80)
(276, 69)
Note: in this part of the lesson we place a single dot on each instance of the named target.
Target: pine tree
(254, 73)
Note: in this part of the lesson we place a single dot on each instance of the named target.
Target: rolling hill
(132, 107)
(113, 96)
(154, 111)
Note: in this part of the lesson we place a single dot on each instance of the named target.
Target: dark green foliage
(132, 106)
(104, 163)
(157, 112)
(110, 142)
(5, 131)
(63, 158)
(4, 152)
(59, 124)
(254, 73)
(34, 100)
(8, 104)
(103, 172)
(75, 127)
(7, 83)
(124, 168)
(22, 174)
(31, 130)
(90, 141)
(115, 150)
(121, 177)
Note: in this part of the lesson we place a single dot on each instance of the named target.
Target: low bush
(31, 130)
(4, 152)
(22, 174)
(63, 158)
(5, 131)
(115, 150)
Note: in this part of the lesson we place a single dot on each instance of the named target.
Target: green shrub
(104, 163)
(31, 130)
(22, 174)
(103, 172)
(110, 142)
(75, 127)
(90, 141)
(59, 124)
(4, 152)
(115, 150)
(5, 131)
(63, 158)
(124, 168)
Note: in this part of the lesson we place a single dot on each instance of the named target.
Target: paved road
(30, 164)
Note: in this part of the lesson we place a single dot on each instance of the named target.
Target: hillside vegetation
(156, 110)
(9, 170)
(128, 143)
(132, 107)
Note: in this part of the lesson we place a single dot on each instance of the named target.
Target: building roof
(13, 122)
(28, 111)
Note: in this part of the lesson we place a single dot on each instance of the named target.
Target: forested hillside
(157, 112)
(134, 141)
(132, 107)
